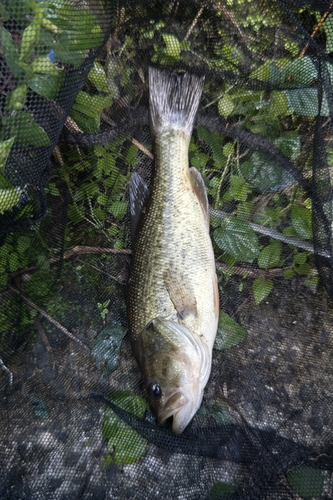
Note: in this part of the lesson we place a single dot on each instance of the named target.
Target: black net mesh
(75, 419)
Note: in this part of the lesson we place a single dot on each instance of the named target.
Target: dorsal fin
(138, 197)
(199, 188)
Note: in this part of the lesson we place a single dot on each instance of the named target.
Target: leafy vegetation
(125, 445)
(306, 481)
(247, 184)
(107, 347)
(263, 86)
(229, 333)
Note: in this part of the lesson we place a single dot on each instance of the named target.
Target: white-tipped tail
(173, 100)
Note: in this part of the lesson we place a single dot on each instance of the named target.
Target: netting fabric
(75, 418)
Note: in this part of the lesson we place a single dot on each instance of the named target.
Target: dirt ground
(276, 387)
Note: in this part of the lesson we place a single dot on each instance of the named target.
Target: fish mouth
(174, 404)
(182, 409)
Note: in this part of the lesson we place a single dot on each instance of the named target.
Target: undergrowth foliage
(75, 125)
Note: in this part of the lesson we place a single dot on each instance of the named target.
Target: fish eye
(155, 391)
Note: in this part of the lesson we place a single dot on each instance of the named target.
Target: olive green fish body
(173, 299)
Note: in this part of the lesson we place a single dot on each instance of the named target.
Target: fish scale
(173, 279)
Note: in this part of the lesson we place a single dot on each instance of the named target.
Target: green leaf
(290, 145)
(237, 238)
(106, 348)
(278, 104)
(100, 214)
(172, 43)
(46, 23)
(288, 274)
(79, 31)
(304, 102)
(306, 481)
(14, 262)
(264, 173)
(132, 155)
(213, 410)
(229, 333)
(23, 243)
(303, 268)
(244, 210)
(300, 258)
(300, 72)
(125, 445)
(76, 214)
(92, 105)
(52, 189)
(9, 198)
(119, 209)
(213, 139)
(10, 54)
(225, 106)
(229, 149)
(3, 13)
(268, 72)
(4, 277)
(43, 65)
(30, 38)
(270, 255)
(5, 147)
(102, 199)
(26, 131)
(199, 160)
(312, 282)
(247, 102)
(97, 77)
(18, 97)
(328, 28)
(239, 189)
(300, 265)
(302, 221)
(261, 289)
(221, 491)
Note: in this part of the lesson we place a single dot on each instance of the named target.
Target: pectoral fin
(199, 188)
(138, 198)
(181, 294)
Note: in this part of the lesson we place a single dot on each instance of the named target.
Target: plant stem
(272, 233)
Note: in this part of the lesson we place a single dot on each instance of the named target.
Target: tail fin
(173, 100)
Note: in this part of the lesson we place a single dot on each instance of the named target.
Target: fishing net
(75, 420)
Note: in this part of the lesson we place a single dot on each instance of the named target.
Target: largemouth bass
(173, 301)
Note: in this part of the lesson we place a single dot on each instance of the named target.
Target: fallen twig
(74, 252)
(252, 272)
(195, 20)
(115, 278)
(313, 34)
(96, 454)
(80, 250)
(142, 148)
(41, 331)
(49, 318)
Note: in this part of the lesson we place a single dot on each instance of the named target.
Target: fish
(173, 299)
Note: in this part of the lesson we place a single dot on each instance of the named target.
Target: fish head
(175, 364)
